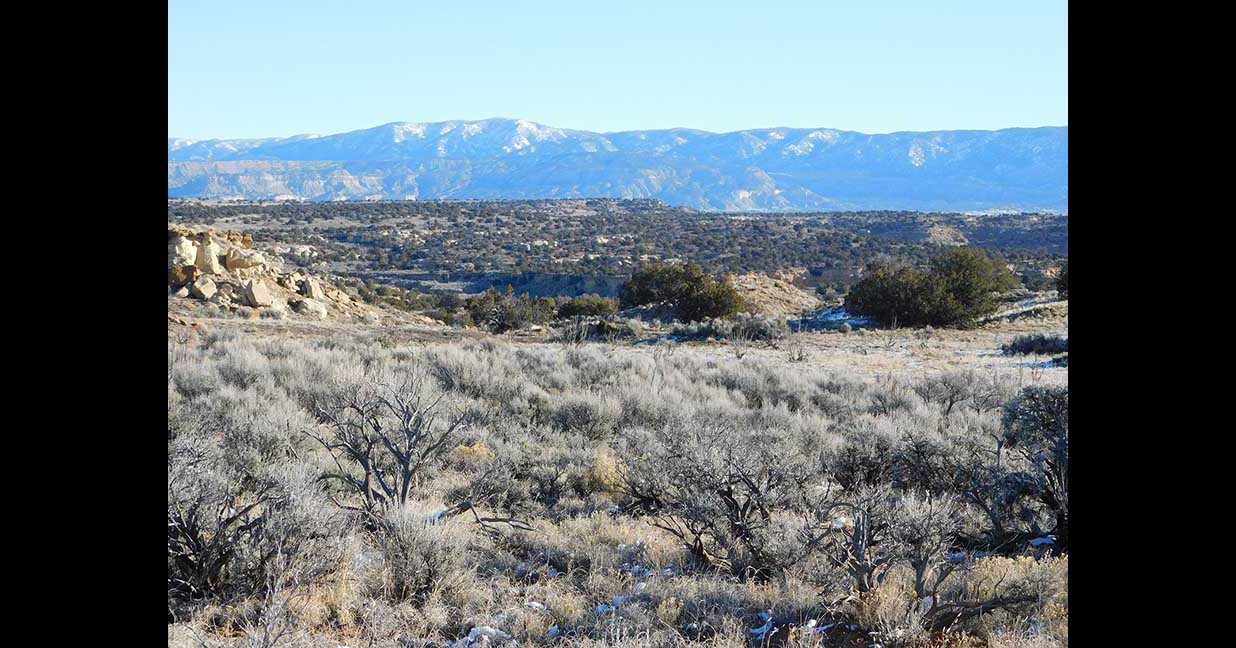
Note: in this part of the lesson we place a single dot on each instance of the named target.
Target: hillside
(773, 169)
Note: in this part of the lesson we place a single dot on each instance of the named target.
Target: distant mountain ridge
(767, 169)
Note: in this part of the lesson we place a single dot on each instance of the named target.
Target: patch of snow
(407, 131)
(917, 156)
(831, 317)
(801, 148)
(482, 635)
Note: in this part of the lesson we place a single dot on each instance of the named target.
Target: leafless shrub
(716, 490)
(382, 432)
(968, 387)
(231, 536)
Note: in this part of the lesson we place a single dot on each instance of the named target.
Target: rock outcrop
(765, 295)
(257, 294)
(181, 251)
(239, 259)
(224, 270)
(311, 288)
(208, 252)
(203, 288)
(182, 274)
(311, 307)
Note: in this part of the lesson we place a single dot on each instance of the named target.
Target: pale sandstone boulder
(181, 251)
(239, 258)
(208, 256)
(311, 288)
(203, 288)
(257, 294)
(311, 307)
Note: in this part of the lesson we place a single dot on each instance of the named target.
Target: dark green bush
(1036, 343)
(588, 306)
(686, 287)
(1062, 280)
(957, 288)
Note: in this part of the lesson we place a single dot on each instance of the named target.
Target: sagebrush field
(336, 491)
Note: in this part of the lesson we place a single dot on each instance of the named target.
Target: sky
(271, 68)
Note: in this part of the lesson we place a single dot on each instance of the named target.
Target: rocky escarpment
(224, 269)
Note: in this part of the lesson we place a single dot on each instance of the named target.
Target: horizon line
(616, 132)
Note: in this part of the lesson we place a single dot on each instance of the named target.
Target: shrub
(711, 299)
(588, 306)
(957, 289)
(1037, 343)
(418, 558)
(1036, 428)
(686, 287)
(590, 415)
(742, 327)
(690, 483)
(578, 330)
(1062, 280)
(390, 431)
(232, 535)
(502, 312)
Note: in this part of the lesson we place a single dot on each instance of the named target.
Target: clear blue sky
(274, 68)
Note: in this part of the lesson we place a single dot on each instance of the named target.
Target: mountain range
(767, 169)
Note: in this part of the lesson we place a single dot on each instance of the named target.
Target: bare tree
(382, 434)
